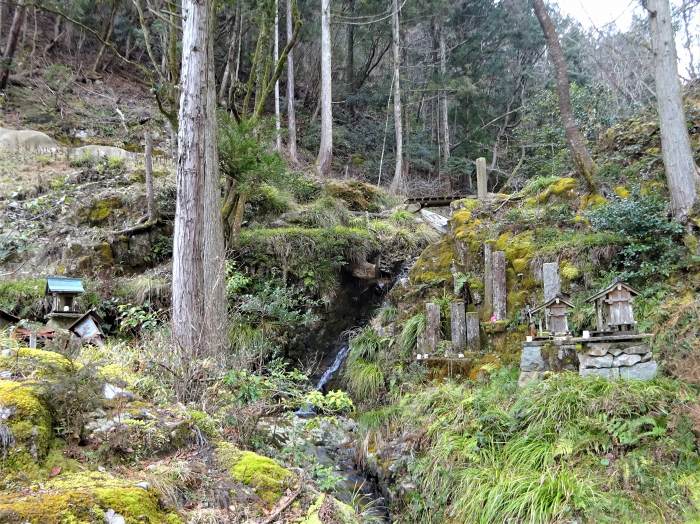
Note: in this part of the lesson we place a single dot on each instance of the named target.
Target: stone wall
(614, 357)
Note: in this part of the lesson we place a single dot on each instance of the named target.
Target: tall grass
(412, 330)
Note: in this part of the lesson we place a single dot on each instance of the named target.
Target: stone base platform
(611, 356)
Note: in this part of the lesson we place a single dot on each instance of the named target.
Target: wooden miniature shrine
(555, 313)
(62, 293)
(613, 307)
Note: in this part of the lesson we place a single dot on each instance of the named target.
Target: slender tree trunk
(325, 153)
(350, 53)
(583, 161)
(105, 36)
(397, 183)
(445, 108)
(681, 171)
(291, 113)
(150, 194)
(11, 44)
(193, 310)
(276, 53)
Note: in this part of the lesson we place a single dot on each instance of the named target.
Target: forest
(349, 261)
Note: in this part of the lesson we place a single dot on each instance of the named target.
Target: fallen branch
(139, 228)
(283, 505)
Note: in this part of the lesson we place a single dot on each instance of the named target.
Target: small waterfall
(340, 357)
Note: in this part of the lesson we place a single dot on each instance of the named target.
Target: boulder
(640, 371)
(529, 376)
(531, 359)
(98, 151)
(597, 349)
(626, 360)
(437, 222)
(26, 140)
(608, 373)
(596, 362)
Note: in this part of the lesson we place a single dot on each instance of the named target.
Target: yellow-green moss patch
(263, 474)
(37, 362)
(434, 264)
(332, 510)
(28, 422)
(84, 498)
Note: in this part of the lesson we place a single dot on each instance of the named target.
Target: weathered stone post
(499, 285)
(473, 336)
(481, 179)
(488, 281)
(432, 327)
(458, 323)
(550, 280)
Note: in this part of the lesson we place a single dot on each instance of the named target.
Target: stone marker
(499, 285)
(481, 179)
(458, 322)
(488, 281)
(432, 327)
(550, 280)
(473, 335)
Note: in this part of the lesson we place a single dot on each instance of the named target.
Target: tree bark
(291, 114)
(325, 152)
(276, 52)
(583, 161)
(681, 171)
(192, 308)
(350, 53)
(150, 195)
(445, 108)
(105, 37)
(11, 44)
(397, 183)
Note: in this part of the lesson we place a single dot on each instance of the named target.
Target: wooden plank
(473, 335)
(432, 327)
(481, 179)
(499, 285)
(458, 324)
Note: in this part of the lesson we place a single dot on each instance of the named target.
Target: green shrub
(24, 297)
(332, 403)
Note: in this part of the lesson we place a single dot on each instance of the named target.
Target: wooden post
(473, 336)
(499, 285)
(481, 179)
(458, 325)
(488, 281)
(432, 327)
(550, 280)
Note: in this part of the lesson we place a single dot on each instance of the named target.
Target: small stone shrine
(615, 350)
(62, 292)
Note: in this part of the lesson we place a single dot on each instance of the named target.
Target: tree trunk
(325, 152)
(350, 53)
(105, 36)
(445, 109)
(276, 53)
(150, 195)
(681, 171)
(194, 174)
(214, 250)
(583, 161)
(291, 114)
(397, 183)
(11, 44)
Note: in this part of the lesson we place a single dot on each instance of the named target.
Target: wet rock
(608, 373)
(640, 371)
(626, 360)
(587, 361)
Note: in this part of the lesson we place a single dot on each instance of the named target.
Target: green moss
(622, 191)
(100, 210)
(84, 498)
(434, 264)
(22, 297)
(332, 510)
(261, 473)
(359, 196)
(35, 362)
(29, 423)
(569, 271)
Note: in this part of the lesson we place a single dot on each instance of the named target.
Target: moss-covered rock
(263, 474)
(329, 510)
(100, 210)
(25, 426)
(80, 498)
(30, 362)
(434, 264)
(359, 196)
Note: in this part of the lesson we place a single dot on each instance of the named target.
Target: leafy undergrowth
(565, 449)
